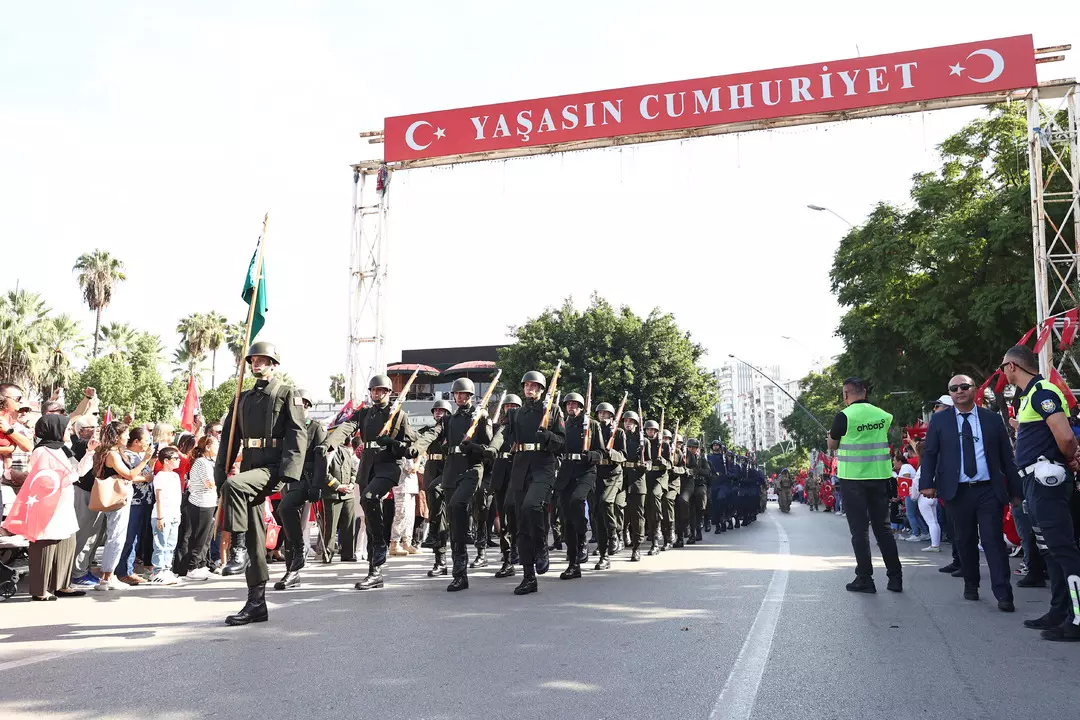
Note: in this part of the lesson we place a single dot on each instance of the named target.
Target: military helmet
(693, 443)
(717, 442)
(304, 395)
(667, 434)
(574, 397)
(463, 384)
(512, 400)
(536, 377)
(380, 381)
(605, 407)
(631, 415)
(441, 404)
(266, 349)
(652, 425)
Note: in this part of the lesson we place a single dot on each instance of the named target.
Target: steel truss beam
(368, 263)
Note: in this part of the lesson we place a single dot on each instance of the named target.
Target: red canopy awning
(470, 366)
(408, 368)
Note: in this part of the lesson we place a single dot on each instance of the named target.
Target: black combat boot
(708, 526)
(635, 555)
(378, 555)
(481, 559)
(254, 609)
(291, 579)
(439, 568)
(460, 581)
(697, 535)
(507, 568)
(238, 555)
(557, 545)
(514, 557)
(572, 572)
(719, 529)
(373, 581)
(582, 556)
(612, 548)
(653, 549)
(543, 562)
(679, 542)
(528, 583)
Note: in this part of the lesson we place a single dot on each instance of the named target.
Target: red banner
(904, 77)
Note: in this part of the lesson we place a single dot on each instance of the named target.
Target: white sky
(164, 135)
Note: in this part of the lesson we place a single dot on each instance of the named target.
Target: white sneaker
(111, 584)
(913, 538)
(163, 578)
(932, 548)
(198, 574)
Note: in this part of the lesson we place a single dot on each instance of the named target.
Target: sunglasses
(961, 386)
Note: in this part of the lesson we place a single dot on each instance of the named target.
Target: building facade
(752, 406)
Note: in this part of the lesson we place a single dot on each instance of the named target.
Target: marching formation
(536, 467)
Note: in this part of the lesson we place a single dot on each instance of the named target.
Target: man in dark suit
(968, 462)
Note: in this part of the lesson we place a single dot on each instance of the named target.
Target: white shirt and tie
(982, 469)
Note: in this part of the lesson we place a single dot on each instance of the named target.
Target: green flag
(258, 319)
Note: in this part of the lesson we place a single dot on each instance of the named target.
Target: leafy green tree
(235, 339)
(821, 396)
(151, 396)
(214, 327)
(651, 358)
(111, 375)
(716, 429)
(98, 273)
(337, 387)
(23, 349)
(118, 338)
(217, 401)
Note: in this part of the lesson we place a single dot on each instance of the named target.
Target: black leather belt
(260, 443)
(574, 456)
(970, 483)
(435, 457)
(607, 462)
(528, 447)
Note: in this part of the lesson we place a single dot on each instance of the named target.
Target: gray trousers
(89, 537)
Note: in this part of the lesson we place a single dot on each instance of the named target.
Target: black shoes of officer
(690, 539)
(708, 527)
(582, 556)
(555, 546)
(505, 571)
(543, 562)
(1049, 620)
(613, 548)
(373, 581)
(254, 609)
(862, 584)
(719, 529)
(653, 550)
(439, 568)
(635, 556)
(1065, 632)
(1006, 606)
(679, 543)
(950, 568)
(572, 572)
(971, 593)
(238, 556)
(603, 563)
(460, 582)
(895, 584)
(480, 561)
(697, 535)
(528, 583)
(290, 580)
(1031, 582)
(958, 572)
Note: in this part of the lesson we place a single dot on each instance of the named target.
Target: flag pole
(225, 538)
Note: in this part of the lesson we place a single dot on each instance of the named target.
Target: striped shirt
(202, 470)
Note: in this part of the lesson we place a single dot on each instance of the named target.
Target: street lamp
(819, 208)
(781, 388)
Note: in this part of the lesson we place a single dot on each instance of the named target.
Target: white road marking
(736, 701)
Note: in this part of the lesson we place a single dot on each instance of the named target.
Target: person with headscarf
(54, 470)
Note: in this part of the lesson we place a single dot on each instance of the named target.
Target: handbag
(108, 495)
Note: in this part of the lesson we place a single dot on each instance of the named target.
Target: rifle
(641, 430)
(618, 419)
(588, 404)
(483, 408)
(551, 396)
(660, 436)
(396, 407)
(675, 444)
(498, 410)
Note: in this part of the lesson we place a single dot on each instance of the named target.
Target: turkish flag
(1027, 336)
(191, 406)
(1068, 332)
(108, 416)
(1055, 377)
(1044, 335)
(903, 487)
(39, 496)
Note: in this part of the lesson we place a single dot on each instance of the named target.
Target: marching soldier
(692, 494)
(532, 475)
(433, 470)
(380, 467)
(295, 498)
(720, 490)
(812, 491)
(270, 430)
(339, 505)
(743, 492)
(656, 481)
(503, 501)
(635, 467)
(576, 479)
(463, 471)
(784, 485)
(674, 487)
(609, 483)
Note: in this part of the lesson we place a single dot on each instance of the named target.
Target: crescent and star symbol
(993, 55)
(410, 138)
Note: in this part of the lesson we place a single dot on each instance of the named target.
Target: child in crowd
(167, 495)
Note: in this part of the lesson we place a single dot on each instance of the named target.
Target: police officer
(532, 474)
(784, 485)
(380, 467)
(270, 429)
(339, 505)
(609, 482)
(1046, 457)
(503, 499)
(674, 487)
(860, 433)
(812, 492)
(576, 479)
(462, 472)
(635, 467)
(438, 530)
(692, 494)
(655, 485)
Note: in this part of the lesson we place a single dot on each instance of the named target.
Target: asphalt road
(754, 623)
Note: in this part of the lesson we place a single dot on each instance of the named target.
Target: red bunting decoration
(980, 394)
(1027, 336)
(1044, 335)
(1055, 377)
(1068, 331)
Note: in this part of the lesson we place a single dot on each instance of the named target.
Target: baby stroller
(13, 550)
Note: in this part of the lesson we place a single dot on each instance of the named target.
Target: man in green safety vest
(860, 435)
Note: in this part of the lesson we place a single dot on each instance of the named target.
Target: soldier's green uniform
(784, 485)
(606, 524)
(575, 480)
(295, 498)
(379, 471)
(270, 431)
(692, 494)
(674, 487)
(638, 460)
(656, 483)
(812, 484)
(339, 505)
(500, 488)
(438, 530)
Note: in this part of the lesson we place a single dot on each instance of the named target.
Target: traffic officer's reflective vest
(864, 449)
(1028, 414)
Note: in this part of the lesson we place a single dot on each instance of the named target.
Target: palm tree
(118, 338)
(22, 319)
(63, 340)
(215, 326)
(236, 339)
(192, 331)
(98, 272)
(184, 363)
(337, 387)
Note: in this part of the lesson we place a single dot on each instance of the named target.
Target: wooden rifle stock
(498, 410)
(551, 396)
(618, 419)
(396, 408)
(588, 404)
(483, 407)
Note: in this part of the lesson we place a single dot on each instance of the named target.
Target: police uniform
(270, 432)
(575, 480)
(379, 470)
(656, 483)
(609, 483)
(339, 505)
(674, 487)
(638, 460)
(1047, 499)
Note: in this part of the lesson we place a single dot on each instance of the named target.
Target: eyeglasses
(1002, 365)
(961, 386)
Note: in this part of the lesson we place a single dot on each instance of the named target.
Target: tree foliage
(651, 358)
(821, 396)
(337, 387)
(716, 429)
